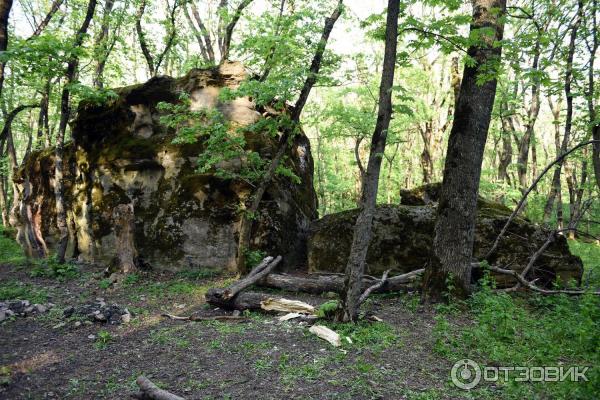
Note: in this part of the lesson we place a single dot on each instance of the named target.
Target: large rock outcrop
(121, 154)
(403, 236)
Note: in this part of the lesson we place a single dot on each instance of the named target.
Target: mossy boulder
(403, 236)
(122, 154)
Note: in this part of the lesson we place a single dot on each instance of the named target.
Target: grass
(372, 336)
(51, 268)
(529, 331)
(590, 255)
(10, 251)
(13, 290)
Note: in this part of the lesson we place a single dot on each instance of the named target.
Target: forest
(299, 199)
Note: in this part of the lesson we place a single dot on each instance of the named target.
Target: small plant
(51, 268)
(328, 309)
(104, 283)
(103, 339)
(254, 257)
(131, 279)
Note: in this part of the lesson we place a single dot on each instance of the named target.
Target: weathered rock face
(121, 154)
(403, 237)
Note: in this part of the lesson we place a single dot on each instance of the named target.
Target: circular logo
(465, 374)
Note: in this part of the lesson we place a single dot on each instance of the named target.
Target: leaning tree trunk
(247, 217)
(362, 230)
(450, 265)
(65, 111)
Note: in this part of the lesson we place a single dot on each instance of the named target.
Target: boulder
(403, 236)
(122, 155)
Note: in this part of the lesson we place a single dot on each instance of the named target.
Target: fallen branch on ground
(149, 391)
(200, 318)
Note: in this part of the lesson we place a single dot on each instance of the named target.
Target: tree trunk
(246, 222)
(142, 37)
(5, 6)
(226, 44)
(126, 251)
(102, 46)
(65, 111)
(450, 266)
(555, 188)
(350, 299)
(594, 125)
(3, 202)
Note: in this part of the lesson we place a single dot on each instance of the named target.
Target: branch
(376, 286)
(528, 191)
(149, 391)
(230, 27)
(55, 6)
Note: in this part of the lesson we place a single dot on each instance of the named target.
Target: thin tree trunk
(102, 45)
(594, 125)
(142, 37)
(3, 201)
(555, 188)
(5, 6)
(65, 111)
(197, 34)
(229, 29)
(207, 42)
(450, 266)
(362, 229)
(288, 132)
(53, 9)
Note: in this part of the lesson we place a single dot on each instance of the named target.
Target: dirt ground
(48, 357)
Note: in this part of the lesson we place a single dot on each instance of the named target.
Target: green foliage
(328, 309)
(198, 274)
(10, 251)
(532, 331)
(14, 290)
(51, 268)
(373, 336)
(103, 339)
(254, 257)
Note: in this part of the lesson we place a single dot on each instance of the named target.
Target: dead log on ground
(318, 283)
(149, 391)
(232, 298)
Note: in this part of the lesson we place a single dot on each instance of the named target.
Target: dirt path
(261, 358)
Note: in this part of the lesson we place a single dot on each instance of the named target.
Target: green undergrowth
(10, 251)
(13, 290)
(590, 255)
(530, 330)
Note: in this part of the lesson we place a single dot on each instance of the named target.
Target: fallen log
(149, 391)
(320, 283)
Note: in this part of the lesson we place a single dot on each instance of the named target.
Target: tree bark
(126, 251)
(65, 111)
(319, 284)
(350, 299)
(5, 7)
(450, 265)
(246, 222)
